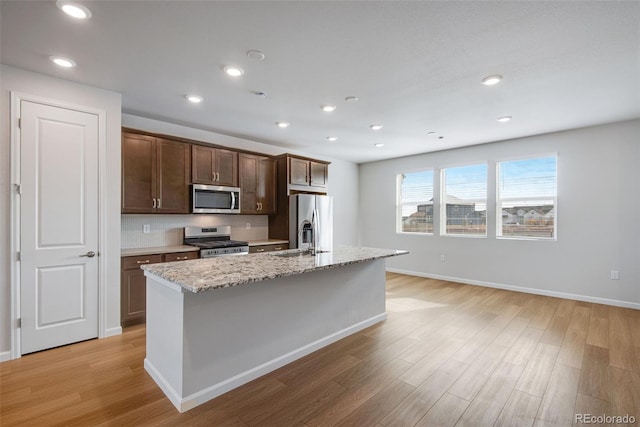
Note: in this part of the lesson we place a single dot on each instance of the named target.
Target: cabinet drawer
(133, 262)
(268, 248)
(180, 256)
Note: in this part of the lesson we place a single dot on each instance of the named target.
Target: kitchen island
(217, 323)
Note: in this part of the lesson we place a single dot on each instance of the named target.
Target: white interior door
(58, 226)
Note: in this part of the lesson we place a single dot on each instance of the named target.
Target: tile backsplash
(167, 230)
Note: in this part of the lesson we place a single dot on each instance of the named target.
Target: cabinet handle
(259, 250)
(159, 204)
(146, 261)
(154, 203)
(278, 248)
(180, 258)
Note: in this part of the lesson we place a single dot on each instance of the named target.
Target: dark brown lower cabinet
(133, 284)
(268, 248)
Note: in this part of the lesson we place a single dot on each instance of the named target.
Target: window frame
(499, 200)
(442, 202)
(399, 203)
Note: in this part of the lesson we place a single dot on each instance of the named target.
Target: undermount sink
(294, 254)
(298, 254)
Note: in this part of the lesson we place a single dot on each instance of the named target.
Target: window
(526, 198)
(463, 198)
(415, 202)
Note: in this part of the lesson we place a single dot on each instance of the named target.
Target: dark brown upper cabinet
(258, 184)
(214, 166)
(307, 172)
(155, 175)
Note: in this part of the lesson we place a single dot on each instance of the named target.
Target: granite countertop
(157, 250)
(268, 242)
(222, 272)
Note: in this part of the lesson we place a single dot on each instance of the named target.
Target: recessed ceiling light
(63, 62)
(233, 71)
(256, 55)
(431, 133)
(504, 119)
(332, 138)
(378, 145)
(351, 99)
(375, 127)
(328, 108)
(74, 10)
(195, 99)
(282, 124)
(491, 80)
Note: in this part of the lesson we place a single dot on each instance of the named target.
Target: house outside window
(526, 198)
(464, 200)
(415, 202)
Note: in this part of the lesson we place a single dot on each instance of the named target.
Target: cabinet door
(173, 176)
(226, 167)
(202, 165)
(298, 171)
(133, 297)
(248, 183)
(267, 185)
(318, 174)
(138, 173)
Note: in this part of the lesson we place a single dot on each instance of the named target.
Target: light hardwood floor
(449, 354)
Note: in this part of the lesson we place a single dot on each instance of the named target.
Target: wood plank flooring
(448, 354)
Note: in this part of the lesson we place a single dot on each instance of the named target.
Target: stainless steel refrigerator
(311, 222)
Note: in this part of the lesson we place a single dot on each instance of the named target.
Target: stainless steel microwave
(215, 199)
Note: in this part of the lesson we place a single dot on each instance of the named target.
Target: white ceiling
(415, 66)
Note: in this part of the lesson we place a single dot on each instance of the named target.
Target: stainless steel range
(214, 241)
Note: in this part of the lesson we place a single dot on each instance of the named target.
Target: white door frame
(14, 245)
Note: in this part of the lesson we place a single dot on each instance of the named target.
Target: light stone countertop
(157, 250)
(222, 272)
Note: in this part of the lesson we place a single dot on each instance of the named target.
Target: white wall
(14, 79)
(343, 175)
(598, 219)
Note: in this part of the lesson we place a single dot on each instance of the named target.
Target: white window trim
(519, 199)
(442, 201)
(399, 203)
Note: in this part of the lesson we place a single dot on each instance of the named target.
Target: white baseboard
(202, 396)
(565, 295)
(5, 355)
(110, 332)
(164, 385)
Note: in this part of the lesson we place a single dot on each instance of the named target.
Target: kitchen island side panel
(165, 338)
(237, 334)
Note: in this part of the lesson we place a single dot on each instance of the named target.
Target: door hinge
(18, 189)
(19, 123)
(18, 256)
(19, 322)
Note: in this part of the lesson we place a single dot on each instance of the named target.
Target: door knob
(89, 254)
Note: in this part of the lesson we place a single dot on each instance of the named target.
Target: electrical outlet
(441, 257)
(615, 275)
(146, 228)
(248, 226)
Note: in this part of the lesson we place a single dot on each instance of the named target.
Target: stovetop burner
(211, 244)
(214, 241)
